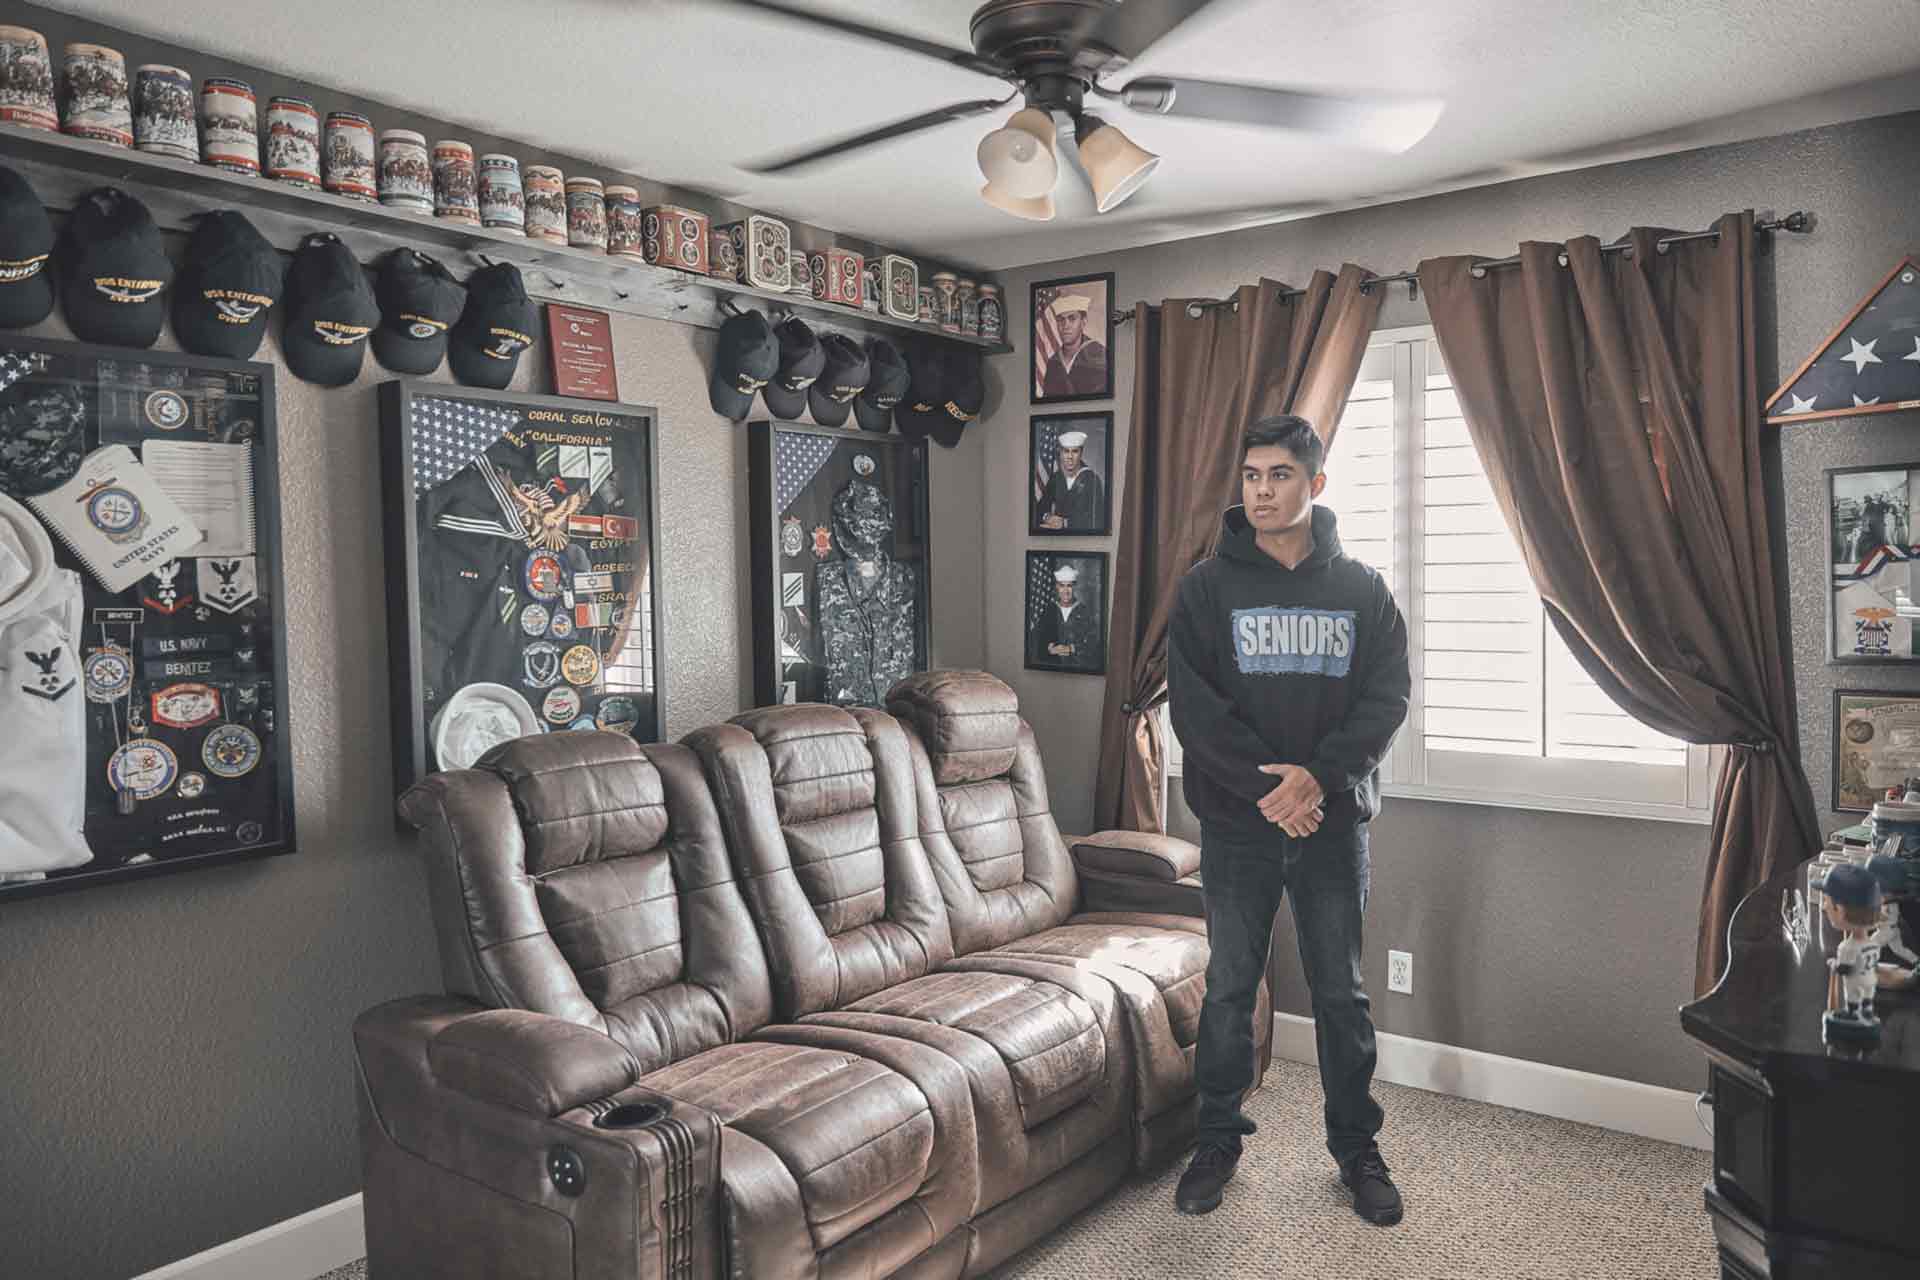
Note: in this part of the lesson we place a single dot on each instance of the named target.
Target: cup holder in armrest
(634, 1115)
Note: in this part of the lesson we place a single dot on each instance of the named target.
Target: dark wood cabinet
(1816, 1148)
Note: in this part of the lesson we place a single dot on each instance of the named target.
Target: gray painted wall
(1552, 937)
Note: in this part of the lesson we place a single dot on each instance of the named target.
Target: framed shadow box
(142, 616)
(1873, 597)
(522, 592)
(841, 563)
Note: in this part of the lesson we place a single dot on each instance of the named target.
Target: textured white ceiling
(682, 91)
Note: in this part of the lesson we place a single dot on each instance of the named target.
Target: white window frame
(1596, 787)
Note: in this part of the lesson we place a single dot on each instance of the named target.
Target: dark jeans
(1243, 879)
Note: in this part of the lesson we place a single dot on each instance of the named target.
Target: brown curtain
(1202, 374)
(1615, 405)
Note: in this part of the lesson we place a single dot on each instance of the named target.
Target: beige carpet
(1490, 1192)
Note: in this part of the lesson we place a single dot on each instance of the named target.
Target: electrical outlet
(1400, 972)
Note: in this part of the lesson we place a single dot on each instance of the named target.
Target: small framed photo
(1070, 328)
(1067, 612)
(1067, 483)
(1875, 578)
(1876, 745)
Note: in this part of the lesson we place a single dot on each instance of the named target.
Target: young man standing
(1287, 673)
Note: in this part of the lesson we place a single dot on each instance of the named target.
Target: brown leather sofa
(814, 993)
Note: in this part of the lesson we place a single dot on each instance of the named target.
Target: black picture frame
(783, 652)
(1039, 587)
(1099, 328)
(114, 865)
(1864, 573)
(1043, 431)
(1860, 798)
(407, 644)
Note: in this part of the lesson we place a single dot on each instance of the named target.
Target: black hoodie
(1270, 665)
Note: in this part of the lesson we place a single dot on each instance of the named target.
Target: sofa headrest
(969, 722)
(581, 797)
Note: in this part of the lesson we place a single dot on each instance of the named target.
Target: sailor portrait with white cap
(1075, 500)
(1079, 366)
(1068, 633)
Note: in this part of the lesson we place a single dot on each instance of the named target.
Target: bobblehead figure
(1852, 897)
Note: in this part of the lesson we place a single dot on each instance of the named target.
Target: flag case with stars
(153, 717)
(841, 562)
(522, 592)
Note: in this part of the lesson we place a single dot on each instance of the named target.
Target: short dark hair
(1291, 432)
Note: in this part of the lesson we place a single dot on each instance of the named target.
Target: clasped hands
(1293, 805)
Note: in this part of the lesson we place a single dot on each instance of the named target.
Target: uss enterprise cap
(846, 376)
(919, 409)
(330, 312)
(887, 381)
(802, 359)
(115, 269)
(26, 249)
(419, 302)
(227, 287)
(965, 390)
(497, 325)
(744, 361)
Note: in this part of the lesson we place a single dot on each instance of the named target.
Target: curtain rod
(1799, 222)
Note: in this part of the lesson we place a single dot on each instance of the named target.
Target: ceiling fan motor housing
(1037, 38)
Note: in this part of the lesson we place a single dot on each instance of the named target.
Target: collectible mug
(456, 188)
(350, 169)
(929, 304)
(293, 141)
(503, 205)
(586, 214)
(406, 172)
(968, 292)
(624, 219)
(163, 114)
(993, 316)
(26, 80)
(97, 105)
(229, 125)
(546, 204)
(946, 300)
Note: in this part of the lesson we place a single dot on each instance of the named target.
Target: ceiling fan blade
(885, 133)
(1376, 124)
(1130, 27)
(927, 48)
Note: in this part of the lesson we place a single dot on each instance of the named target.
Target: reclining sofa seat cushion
(819, 808)
(585, 877)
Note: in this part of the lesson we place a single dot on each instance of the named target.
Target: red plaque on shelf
(582, 345)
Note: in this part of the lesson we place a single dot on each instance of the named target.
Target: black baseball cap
(1851, 886)
(845, 377)
(802, 359)
(116, 269)
(227, 287)
(966, 391)
(419, 301)
(330, 312)
(497, 325)
(745, 360)
(926, 390)
(887, 382)
(26, 248)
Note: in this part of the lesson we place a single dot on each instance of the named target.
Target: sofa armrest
(1138, 871)
(529, 1061)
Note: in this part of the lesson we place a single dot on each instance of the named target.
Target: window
(1501, 713)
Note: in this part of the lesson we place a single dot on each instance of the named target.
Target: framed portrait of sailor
(1067, 612)
(523, 593)
(1069, 456)
(1070, 328)
(1874, 552)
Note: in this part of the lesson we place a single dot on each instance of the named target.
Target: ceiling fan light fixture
(1018, 158)
(1115, 165)
(1036, 209)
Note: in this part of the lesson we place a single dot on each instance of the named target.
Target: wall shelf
(62, 169)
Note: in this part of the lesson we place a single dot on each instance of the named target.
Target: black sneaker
(1201, 1185)
(1375, 1198)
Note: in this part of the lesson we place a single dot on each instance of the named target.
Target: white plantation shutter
(1360, 467)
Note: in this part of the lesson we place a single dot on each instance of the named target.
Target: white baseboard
(301, 1248)
(1611, 1103)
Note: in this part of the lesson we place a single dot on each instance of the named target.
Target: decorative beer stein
(946, 300)
(456, 187)
(546, 203)
(97, 105)
(26, 80)
(349, 168)
(993, 315)
(929, 304)
(624, 223)
(503, 205)
(163, 113)
(293, 142)
(406, 174)
(586, 214)
(967, 294)
(229, 125)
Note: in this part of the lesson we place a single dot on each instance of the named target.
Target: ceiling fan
(1058, 55)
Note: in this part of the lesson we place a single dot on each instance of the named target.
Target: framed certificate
(1876, 745)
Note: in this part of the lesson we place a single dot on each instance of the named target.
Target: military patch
(228, 583)
(534, 619)
(581, 665)
(230, 751)
(822, 542)
(618, 713)
(166, 410)
(163, 589)
(562, 705)
(544, 576)
(561, 628)
(186, 706)
(53, 676)
(540, 663)
(793, 540)
(116, 512)
(142, 768)
(192, 786)
(107, 673)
